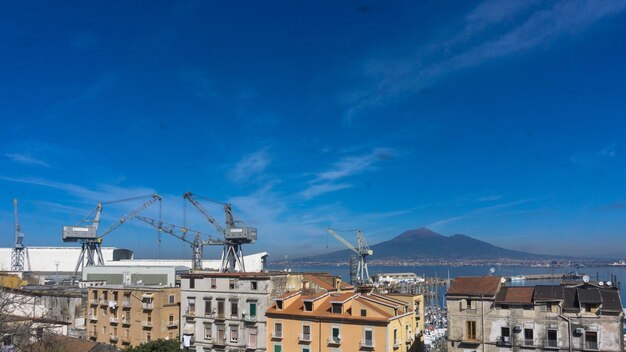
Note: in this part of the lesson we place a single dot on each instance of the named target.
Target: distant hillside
(421, 244)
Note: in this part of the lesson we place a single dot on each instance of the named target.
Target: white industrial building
(64, 259)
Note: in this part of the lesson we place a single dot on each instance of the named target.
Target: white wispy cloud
(251, 165)
(26, 159)
(590, 158)
(328, 180)
(516, 28)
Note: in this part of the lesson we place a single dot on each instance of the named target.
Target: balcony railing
(334, 340)
(397, 343)
(277, 334)
(552, 343)
(173, 323)
(249, 319)
(367, 343)
(126, 340)
(591, 345)
(529, 342)
(126, 304)
(103, 302)
(305, 337)
(114, 320)
(93, 302)
(147, 306)
(93, 335)
(93, 317)
(126, 321)
(146, 324)
(113, 338)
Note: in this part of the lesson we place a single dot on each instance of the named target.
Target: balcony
(93, 317)
(277, 334)
(503, 341)
(93, 302)
(126, 340)
(93, 335)
(529, 342)
(114, 320)
(113, 338)
(334, 340)
(126, 304)
(103, 302)
(305, 337)
(367, 343)
(591, 345)
(173, 323)
(146, 324)
(219, 316)
(147, 306)
(397, 343)
(249, 319)
(219, 342)
(552, 344)
(190, 315)
(125, 321)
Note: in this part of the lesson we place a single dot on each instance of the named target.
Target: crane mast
(362, 252)
(234, 236)
(17, 254)
(87, 235)
(182, 233)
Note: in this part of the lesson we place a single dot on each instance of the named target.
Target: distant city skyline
(500, 120)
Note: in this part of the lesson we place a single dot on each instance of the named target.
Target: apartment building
(226, 311)
(337, 321)
(126, 316)
(486, 315)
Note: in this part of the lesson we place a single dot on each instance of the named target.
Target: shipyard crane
(362, 251)
(17, 253)
(86, 232)
(184, 234)
(234, 236)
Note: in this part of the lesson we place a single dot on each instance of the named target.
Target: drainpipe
(569, 331)
(482, 320)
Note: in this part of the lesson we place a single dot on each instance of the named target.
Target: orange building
(343, 321)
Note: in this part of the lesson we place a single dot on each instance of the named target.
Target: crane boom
(153, 199)
(190, 197)
(342, 240)
(19, 236)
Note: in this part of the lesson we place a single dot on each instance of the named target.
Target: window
(505, 334)
(363, 312)
(231, 284)
(95, 294)
(470, 330)
(368, 337)
(114, 331)
(149, 317)
(221, 331)
(234, 333)
(278, 330)
(104, 311)
(306, 349)
(192, 283)
(552, 342)
(105, 295)
(171, 318)
(336, 308)
(334, 334)
(115, 295)
(306, 332)
(104, 330)
(191, 303)
(220, 308)
(126, 333)
(252, 310)
(308, 306)
(254, 285)
(528, 337)
(279, 305)
(127, 316)
(148, 336)
(208, 306)
(278, 348)
(234, 309)
(171, 299)
(208, 331)
(591, 340)
(395, 335)
(213, 283)
(252, 339)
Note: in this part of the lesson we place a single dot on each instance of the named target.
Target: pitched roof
(548, 293)
(486, 286)
(611, 301)
(70, 344)
(515, 295)
(586, 295)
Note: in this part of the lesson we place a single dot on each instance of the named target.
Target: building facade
(337, 321)
(126, 316)
(486, 315)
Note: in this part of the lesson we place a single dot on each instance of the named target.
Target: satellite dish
(609, 283)
(502, 279)
(601, 283)
(586, 278)
(492, 270)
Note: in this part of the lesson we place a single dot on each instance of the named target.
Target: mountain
(424, 244)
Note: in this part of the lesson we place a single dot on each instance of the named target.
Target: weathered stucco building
(486, 315)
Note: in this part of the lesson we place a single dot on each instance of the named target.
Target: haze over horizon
(500, 120)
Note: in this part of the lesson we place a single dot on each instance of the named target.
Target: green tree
(157, 346)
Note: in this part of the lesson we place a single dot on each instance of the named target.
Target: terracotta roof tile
(475, 286)
(513, 295)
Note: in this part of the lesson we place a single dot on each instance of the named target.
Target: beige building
(486, 315)
(335, 321)
(128, 316)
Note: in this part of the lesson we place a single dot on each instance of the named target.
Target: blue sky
(502, 120)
